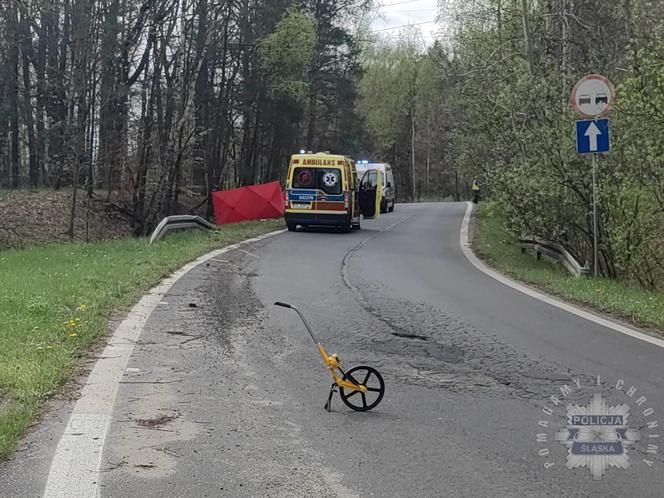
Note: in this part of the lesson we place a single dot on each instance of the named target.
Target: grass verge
(56, 300)
(495, 244)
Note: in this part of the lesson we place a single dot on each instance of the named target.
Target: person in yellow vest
(477, 190)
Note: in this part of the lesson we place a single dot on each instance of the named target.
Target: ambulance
(324, 190)
(389, 197)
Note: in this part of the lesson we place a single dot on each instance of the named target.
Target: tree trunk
(33, 168)
(311, 128)
(203, 99)
(57, 105)
(108, 107)
(39, 63)
(526, 35)
(4, 127)
(457, 194)
(428, 151)
(412, 150)
(27, 53)
(12, 90)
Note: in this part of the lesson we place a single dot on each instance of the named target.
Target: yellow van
(323, 190)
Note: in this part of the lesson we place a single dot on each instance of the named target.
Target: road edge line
(529, 291)
(75, 466)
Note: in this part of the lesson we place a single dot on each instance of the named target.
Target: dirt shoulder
(39, 217)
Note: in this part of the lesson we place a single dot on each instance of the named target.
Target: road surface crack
(411, 336)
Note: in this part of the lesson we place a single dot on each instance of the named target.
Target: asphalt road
(224, 394)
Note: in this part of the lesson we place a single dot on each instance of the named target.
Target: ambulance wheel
(345, 228)
(391, 210)
(355, 226)
(383, 206)
(363, 401)
(292, 227)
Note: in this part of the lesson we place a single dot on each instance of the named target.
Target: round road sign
(593, 96)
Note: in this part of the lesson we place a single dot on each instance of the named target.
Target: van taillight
(346, 200)
(286, 198)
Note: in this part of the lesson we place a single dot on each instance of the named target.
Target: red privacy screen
(255, 202)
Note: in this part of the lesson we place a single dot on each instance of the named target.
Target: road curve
(224, 393)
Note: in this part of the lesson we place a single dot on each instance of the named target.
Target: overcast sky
(395, 13)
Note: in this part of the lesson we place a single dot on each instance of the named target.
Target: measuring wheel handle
(368, 377)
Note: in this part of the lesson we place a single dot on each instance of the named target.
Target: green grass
(55, 301)
(496, 245)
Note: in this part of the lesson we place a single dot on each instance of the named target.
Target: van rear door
(302, 193)
(371, 191)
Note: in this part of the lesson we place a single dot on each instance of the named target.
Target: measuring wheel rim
(363, 376)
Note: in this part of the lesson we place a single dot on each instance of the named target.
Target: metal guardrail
(179, 222)
(555, 252)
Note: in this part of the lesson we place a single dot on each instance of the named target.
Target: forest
(146, 103)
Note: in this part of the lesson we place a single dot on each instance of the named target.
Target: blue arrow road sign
(592, 136)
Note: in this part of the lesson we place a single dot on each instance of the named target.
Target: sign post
(593, 97)
(595, 222)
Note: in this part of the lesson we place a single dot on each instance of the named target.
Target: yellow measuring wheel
(361, 388)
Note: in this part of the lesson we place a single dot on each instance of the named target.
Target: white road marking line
(574, 310)
(75, 465)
